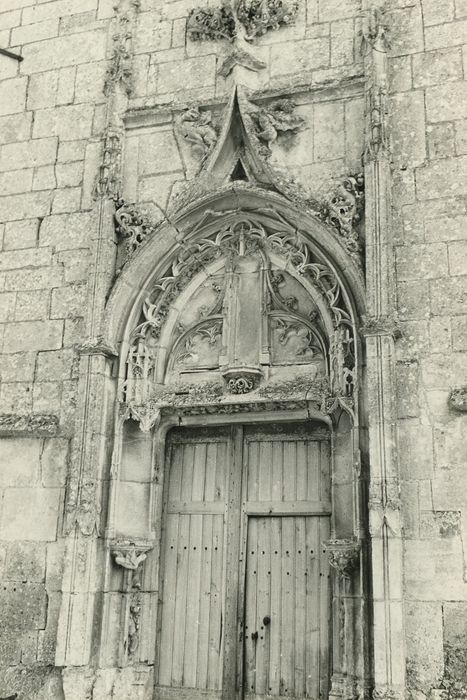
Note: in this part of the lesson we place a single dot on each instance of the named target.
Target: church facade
(233, 324)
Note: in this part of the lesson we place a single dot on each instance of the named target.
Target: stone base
(131, 683)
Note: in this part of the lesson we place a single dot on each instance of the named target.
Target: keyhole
(254, 636)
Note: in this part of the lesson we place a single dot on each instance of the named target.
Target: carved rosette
(343, 555)
(458, 399)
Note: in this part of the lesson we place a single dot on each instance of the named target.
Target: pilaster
(379, 331)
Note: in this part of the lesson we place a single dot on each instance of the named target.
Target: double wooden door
(244, 610)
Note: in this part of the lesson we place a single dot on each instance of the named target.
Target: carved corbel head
(130, 554)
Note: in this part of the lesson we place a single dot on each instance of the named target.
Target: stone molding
(33, 424)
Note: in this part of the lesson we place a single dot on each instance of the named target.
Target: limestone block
(447, 228)
(46, 396)
(68, 301)
(69, 174)
(66, 231)
(342, 42)
(42, 90)
(400, 74)
(455, 642)
(75, 264)
(328, 130)
(158, 153)
(54, 565)
(461, 136)
(10, 19)
(16, 181)
(157, 189)
(12, 95)
(176, 75)
(44, 178)
(448, 296)
(71, 151)
(414, 341)
(15, 128)
(80, 22)
(28, 154)
(133, 509)
(436, 68)
(31, 306)
(20, 234)
(30, 513)
(66, 200)
(450, 443)
(424, 639)
(7, 306)
(407, 118)
(457, 252)
(33, 335)
(59, 8)
(89, 83)
(18, 367)
(39, 278)
(26, 562)
(53, 461)
(20, 461)
(410, 508)
(459, 332)
(39, 683)
(425, 261)
(413, 300)
(441, 142)
(332, 9)
(442, 178)
(444, 35)
(29, 257)
(353, 133)
(66, 85)
(35, 32)
(16, 397)
(440, 334)
(10, 648)
(152, 33)
(407, 389)
(55, 365)
(74, 332)
(446, 101)
(437, 11)
(446, 492)
(415, 449)
(63, 51)
(300, 57)
(406, 29)
(69, 122)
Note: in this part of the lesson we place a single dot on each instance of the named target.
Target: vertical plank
(325, 607)
(250, 607)
(190, 655)
(302, 470)
(288, 607)
(277, 470)
(290, 471)
(325, 477)
(221, 472)
(205, 603)
(276, 606)
(187, 472)
(175, 468)
(168, 603)
(262, 605)
(313, 458)
(199, 472)
(264, 470)
(252, 456)
(214, 675)
(180, 601)
(300, 605)
(312, 605)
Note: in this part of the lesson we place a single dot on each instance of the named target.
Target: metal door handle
(266, 620)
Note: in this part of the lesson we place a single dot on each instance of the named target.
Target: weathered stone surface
(19, 503)
(26, 562)
(33, 335)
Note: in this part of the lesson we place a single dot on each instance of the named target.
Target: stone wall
(53, 113)
(428, 113)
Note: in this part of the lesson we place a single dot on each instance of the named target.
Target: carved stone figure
(276, 118)
(343, 208)
(196, 127)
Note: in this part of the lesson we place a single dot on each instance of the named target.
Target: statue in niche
(196, 127)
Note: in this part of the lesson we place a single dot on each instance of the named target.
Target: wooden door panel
(287, 582)
(192, 580)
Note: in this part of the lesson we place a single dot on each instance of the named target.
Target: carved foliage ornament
(343, 555)
(132, 226)
(458, 399)
(343, 208)
(255, 16)
(108, 183)
(119, 71)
